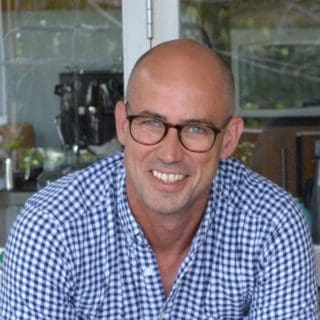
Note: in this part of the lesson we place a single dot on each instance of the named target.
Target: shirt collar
(218, 201)
(127, 220)
(217, 198)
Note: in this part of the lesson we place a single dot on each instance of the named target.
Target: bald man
(172, 227)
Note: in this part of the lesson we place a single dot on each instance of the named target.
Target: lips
(167, 177)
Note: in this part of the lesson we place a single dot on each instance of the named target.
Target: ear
(231, 137)
(121, 122)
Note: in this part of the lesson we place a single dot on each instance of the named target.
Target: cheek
(208, 171)
(207, 167)
(134, 154)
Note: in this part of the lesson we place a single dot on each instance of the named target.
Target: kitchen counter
(10, 204)
(13, 198)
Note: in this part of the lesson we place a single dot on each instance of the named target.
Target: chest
(209, 284)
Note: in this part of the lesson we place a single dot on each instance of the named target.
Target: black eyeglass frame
(179, 128)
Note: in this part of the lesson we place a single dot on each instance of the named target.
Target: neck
(168, 232)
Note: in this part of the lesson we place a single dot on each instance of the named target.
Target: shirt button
(162, 316)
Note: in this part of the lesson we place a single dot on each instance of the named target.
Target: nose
(170, 149)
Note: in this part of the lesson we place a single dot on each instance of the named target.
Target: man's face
(166, 178)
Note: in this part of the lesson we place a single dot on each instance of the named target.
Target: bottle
(6, 171)
(315, 196)
(9, 174)
(52, 168)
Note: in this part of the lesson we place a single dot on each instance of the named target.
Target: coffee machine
(88, 98)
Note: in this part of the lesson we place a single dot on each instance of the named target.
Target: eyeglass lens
(194, 137)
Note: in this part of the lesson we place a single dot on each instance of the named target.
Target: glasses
(195, 137)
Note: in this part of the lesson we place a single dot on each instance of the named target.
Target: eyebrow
(187, 121)
(152, 114)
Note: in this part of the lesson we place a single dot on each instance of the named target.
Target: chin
(165, 206)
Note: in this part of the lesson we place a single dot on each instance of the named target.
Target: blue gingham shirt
(76, 252)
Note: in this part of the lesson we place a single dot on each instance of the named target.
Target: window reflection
(42, 40)
(273, 48)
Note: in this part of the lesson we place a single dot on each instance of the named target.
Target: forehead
(180, 84)
(177, 100)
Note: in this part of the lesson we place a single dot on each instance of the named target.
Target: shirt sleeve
(286, 283)
(36, 280)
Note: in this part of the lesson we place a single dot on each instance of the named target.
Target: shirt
(76, 252)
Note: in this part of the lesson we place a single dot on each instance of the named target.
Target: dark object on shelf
(315, 196)
(26, 182)
(87, 106)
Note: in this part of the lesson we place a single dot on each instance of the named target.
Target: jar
(50, 173)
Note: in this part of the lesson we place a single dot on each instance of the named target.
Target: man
(173, 228)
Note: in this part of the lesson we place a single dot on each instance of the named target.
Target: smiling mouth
(167, 177)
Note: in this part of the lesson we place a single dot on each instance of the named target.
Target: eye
(150, 122)
(195, 129)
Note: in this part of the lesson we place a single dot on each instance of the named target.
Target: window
(42, 41)
(273, 48)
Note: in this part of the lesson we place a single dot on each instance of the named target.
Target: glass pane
(50, 47)
(277, 72)
(273, 49)
(274, 55)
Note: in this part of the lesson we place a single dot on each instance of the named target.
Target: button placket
(186, 265)
(149, 277)
(163, 316)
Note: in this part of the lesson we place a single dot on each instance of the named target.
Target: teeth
(167, 177)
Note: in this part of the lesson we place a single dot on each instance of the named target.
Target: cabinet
(284, 154)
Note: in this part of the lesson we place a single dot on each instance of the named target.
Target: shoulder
(79, 192)
(249, 186)
(252, 193)
(70, 214)
(260, 217)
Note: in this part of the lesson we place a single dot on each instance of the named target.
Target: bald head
(184, 60)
